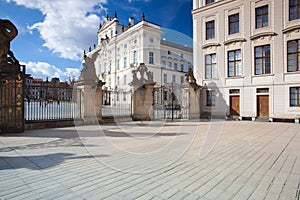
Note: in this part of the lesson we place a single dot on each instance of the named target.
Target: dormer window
(209, 1)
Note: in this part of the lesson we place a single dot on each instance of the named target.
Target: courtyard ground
(158, 160)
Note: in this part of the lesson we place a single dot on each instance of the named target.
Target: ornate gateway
(171, 101)
(11, 83)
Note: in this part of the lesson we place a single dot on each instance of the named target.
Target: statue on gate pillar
(8, 32)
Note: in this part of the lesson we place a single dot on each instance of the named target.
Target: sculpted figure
(8, 32)
(190, 76)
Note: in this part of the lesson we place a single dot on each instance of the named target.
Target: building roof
(177, 46)
(38, 79)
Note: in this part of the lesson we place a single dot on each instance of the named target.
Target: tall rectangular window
(175, 66)
(210, 66)
(295, 96)
(118, 81)
(182, 79)
(294, 9)
(134, 57)
(105, 68)
(262, 60)
(173, 78)
(234, 63)
(210, 98)
(262, 17)
(210, 30)
(234, 23)
(118, 64)
(125, 62)
(151, 57)
(165, 78)
(110, 64)
(293, 56)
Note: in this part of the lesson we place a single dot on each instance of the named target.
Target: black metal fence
(116, 103)
(52, 103)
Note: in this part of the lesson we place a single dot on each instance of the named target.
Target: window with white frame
(234, 63)
(134, 57)
(294, 9)
(173, 78)
(165, 78)
(209, 2)
(293, 55)
(262, 59)
(105, 68)
(175, 66)
(210, 30)
(118, 64)
(262, 17)
(210, 66)
(295, 96)
(234, 23)
(151, 57)
(125, 62)
(210, 98)
(181, 79)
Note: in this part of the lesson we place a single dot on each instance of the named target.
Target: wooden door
(235, 105)
(263, 106)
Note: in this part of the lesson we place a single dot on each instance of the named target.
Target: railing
(116, 103)
(52, 103)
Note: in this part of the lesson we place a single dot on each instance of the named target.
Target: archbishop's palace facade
(247, 57)
(122, 48)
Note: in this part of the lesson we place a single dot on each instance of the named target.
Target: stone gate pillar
(142, 99)
(194, 91)
(194, 102)
(91, 89)
(91, 101)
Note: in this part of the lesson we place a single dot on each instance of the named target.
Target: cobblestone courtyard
(251, 160)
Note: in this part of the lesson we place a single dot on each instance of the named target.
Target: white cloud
(43, 70)
(69, 26)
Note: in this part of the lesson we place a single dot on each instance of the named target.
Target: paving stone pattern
(251, 160)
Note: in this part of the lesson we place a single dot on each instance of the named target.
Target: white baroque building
(122, 48)
(247, 57)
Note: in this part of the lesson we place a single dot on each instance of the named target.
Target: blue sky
(54, 33)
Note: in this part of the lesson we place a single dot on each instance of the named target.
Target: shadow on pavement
(38, 162)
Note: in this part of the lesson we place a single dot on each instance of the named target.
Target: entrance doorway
(235, 105)
(263, 105)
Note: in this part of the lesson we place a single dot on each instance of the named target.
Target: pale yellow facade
(262, 24)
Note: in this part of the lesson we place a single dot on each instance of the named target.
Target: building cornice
(292, 28)
(211, 5)
(176, 46)
(264, 34)
(234, 40)
(211, 45)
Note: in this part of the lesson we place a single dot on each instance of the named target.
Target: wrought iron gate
(12, 99)
(116, 103)
(171, 101)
